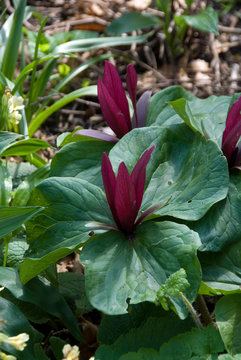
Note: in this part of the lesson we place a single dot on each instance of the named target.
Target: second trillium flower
(232, 134)
(125, 192)
(114, 104)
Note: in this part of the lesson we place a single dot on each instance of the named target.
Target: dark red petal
(96, 134)
(138, 175)
(114, 85)
(150, 211)
(232, 131)
(125, 199)
(112, 113)
(142, 108)
(109, 182)
(131, 82)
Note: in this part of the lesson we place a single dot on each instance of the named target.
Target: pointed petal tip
(96, 134)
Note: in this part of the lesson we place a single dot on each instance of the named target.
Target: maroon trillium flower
(114, 104)
(232, 134)
(125, 192)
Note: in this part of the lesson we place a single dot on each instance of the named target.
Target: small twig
(215, 63)
(228, 44)
(230, 30)
(141, 63)
(88, 103)
(54, 96)
(72, 111)
(89, 20)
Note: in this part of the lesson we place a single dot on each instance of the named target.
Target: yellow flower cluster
(71, 352)
(19, 342)
(14, 104)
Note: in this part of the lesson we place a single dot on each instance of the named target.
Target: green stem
(192, 311)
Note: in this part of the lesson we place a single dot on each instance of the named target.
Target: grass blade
(11, 50)
(39, 119)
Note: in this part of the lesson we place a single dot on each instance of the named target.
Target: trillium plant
(231, 135)
(125, 193)
(153, 214)
(114, 104)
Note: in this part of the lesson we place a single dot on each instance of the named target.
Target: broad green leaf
(5, 185)
(149, 354)
(40, 353)
(71, 285)
(221, 225)
(113, 326)
(206, 20)
(228, 316)
(13, 217)
(130, 21)
(57, 345)
(206, 116)
(96, 43)
(222, 270)
(159, 112)
(39, 292)
(19, 171)
(40, 118)
(25, 147)
(81, 159)
(11, 49)
(16, 249)
(8, 138)
(118, 269)
(198, 343)
(23, 191)
(229, 357)
(15, 324)
(63, 227)
(152, 333)
(185, 170)
(183, 110)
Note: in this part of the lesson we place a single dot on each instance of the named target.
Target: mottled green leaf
(185, 170)
(119, 271)
(70, 205)
(39, 292)
(221, 225)
(228, 316)
(81, 159)
(222, 270)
